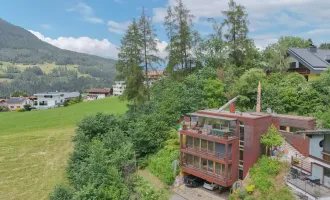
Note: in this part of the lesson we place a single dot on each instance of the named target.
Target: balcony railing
(301, 164)
(207, 131)
(326, 156)
(222, 177)
(206, 152)
(300, 181)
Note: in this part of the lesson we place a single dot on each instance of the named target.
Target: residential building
(119, 88)
(221, 146)
(52, 99)
(155, 75)
(15, 103)
(98, 93)
(311, 172)
(3, 102)
(309, 62)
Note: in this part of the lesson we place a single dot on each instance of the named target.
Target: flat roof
(314, 132)
(237, 114)
(211, 116)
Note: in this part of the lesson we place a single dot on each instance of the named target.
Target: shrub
(250, 189)
(20, 110)
(4, 109)
(27, 107)
(66, 103)
(61, 192)
(241, 194)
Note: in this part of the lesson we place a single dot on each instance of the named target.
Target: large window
(196, 142)
(210, 165)
(204, 145)
(217, 124)
(204, 164)
(189, 141)
(210, 146)
(189, 159)
(196, 161)
(217, 168)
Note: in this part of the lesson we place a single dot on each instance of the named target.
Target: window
(210, 146)
(189, 141)
(217, 124)
(48, 96)
(189, 159)
(241, 155)
(204, 163)
(229, 168)
(18, 106)
(210, 165)
(196, 161)
(240, 174)
(196, 142)
(217, 168)
(12, 106)
(204, 145)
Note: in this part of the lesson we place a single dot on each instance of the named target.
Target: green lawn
(34, 147)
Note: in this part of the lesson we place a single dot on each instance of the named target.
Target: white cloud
(118, 27)
(102, 48)
(46, 26)
(161, 46)
(86, 12)
(318, 32)
(159, 14)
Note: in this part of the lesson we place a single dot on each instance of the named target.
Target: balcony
(326, 156)
(307, 188)
(208, 133)
(205, 152)
(209, 175)
(302, 164)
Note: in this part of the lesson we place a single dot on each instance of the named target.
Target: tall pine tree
(149, 45)
(179, 27)
(236, 35)
(129, 65)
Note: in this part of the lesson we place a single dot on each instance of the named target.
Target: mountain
(18, 45)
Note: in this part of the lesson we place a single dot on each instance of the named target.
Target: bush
(241, 194)
(27, 107)
(66, 103)
(250, 189)
(61, 192)
(20, 110)
(4, 109)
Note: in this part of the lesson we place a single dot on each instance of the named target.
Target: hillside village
(217, 118)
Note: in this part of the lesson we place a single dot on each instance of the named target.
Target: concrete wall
(314, 147)
(51, 102)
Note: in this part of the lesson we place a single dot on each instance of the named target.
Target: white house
(52, 99)
(119, 88)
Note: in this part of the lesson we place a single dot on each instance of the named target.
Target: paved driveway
(183, 193)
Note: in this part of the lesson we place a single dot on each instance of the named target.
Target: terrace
(210, 127)
(312, 190)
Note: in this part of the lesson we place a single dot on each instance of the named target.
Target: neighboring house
(3, 102)
(155, 75)
(314, 165)
(309, 62)
(52, 99)
(98, 93)
(221, 146)
(15, 103)
(119, 88)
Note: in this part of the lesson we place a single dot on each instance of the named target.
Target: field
(34, 147)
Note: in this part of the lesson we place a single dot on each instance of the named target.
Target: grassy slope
(34, 147)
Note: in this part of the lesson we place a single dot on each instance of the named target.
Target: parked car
(193, 181)
(210, 186)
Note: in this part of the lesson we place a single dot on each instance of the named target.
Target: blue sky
(96, 27)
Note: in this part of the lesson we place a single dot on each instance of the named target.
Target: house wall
(314, 148)
(51, 102)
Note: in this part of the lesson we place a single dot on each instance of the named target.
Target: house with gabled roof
(309, 62)
(15, 103)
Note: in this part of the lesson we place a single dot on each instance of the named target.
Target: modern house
(15, 103)
(221, 146)
(52, 99)
(3, 102)
(311, 173)
(119, 88)
(98, 93)
(309, 62)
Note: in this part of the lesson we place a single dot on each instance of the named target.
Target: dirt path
(151, 178)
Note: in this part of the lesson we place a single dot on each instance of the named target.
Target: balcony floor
(316, 191)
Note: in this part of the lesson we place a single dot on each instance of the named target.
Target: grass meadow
(34, 147)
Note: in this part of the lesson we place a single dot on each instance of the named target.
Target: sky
(96, 26)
